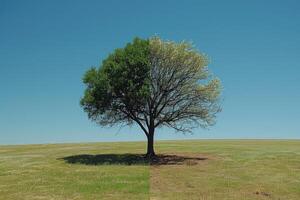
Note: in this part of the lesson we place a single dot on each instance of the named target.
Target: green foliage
(153, 83)
(119, 85)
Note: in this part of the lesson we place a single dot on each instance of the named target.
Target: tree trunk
(150, 147)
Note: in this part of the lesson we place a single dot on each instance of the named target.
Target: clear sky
(46, 46)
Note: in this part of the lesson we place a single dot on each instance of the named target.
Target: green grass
(228, 169)
(39, 172)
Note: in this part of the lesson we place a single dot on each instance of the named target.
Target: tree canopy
(153, 83)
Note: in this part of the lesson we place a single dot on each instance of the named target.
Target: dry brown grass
(228, 170)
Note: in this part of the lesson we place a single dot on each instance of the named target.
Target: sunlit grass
(239, 169)
(218, 169)
(39, 172)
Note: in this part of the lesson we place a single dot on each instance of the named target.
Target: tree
(153, 83)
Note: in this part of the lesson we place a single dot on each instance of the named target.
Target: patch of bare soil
(168, 173)
(263, 194)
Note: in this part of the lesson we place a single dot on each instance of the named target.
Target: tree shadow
(107, 159)
(131, 159)
(164, 159)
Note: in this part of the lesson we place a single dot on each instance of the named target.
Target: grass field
(206, 169)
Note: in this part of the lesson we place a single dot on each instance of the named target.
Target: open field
(203, 169)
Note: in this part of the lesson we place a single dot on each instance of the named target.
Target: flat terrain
(203, 169)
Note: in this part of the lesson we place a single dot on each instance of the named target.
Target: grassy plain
(199, 169)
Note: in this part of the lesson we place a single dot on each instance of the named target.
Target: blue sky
(46, 46)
